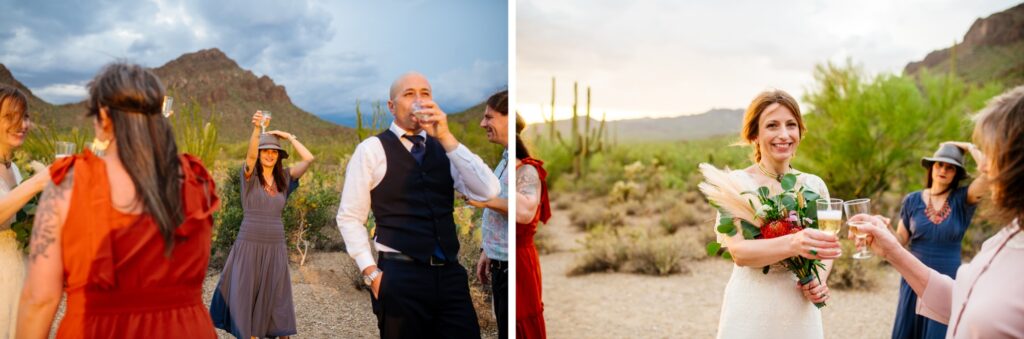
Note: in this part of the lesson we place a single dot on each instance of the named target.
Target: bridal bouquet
(760, 215)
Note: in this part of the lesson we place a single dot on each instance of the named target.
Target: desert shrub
(194, 133)
(655, 255)
(542, 240)
(587, 215)
(853, 274)
(228, 218)
(632, 207)
(310, 208)
(634, 250)
(681, 215)
(604, 251)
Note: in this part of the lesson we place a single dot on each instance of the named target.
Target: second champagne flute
(265, 122)
(855, 207)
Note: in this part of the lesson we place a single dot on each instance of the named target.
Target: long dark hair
(521, 151)
(133, 96)
(278, 173)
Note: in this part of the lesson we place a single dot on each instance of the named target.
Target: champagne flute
(830, 215)
(168, 101)
(265, 121)
(63, 149)
(855, 207)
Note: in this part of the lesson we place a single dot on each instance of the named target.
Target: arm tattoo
(527, 182)
(47, 219)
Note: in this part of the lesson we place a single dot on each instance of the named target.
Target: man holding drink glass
(407, 176)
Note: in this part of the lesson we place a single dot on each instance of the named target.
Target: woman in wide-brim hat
(933, 222)
(254, 295)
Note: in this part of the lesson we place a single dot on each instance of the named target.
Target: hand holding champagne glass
(265, 121)
(853, 208)
(830, 215)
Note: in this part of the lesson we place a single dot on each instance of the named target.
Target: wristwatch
(369, 278)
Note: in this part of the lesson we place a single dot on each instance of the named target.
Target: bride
(774, 305)
(14, 194)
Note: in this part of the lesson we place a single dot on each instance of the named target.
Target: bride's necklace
(769, 173)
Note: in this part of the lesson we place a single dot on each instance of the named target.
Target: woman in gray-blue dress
(254, 295)
(933, 221)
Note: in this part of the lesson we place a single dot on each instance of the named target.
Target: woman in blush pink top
(986, 300)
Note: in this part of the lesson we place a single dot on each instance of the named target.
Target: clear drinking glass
(830, 215)
(168, 101)
(855, 207)
(63, 149)
(417, 106)
(265, 122)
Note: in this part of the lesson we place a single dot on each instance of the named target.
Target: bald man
(408, 175)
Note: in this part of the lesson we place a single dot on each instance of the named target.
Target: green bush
(866, 136)
(228, 218)
(313, 206)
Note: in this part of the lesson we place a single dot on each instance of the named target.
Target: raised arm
(979, 188)
(299, 168)
(43, 286)
(918, 276)
(472, 176)
(253, 152)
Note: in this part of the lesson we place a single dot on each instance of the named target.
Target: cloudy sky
(326, 53)
(667, 58)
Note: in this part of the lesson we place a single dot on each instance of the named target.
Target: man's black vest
(413, 204)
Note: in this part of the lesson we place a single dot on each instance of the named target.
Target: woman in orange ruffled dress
(532, 207)
(125, 228)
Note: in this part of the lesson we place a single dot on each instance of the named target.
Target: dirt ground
(619, 305)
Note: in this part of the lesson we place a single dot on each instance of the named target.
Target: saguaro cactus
(376, 121)
(582, 143)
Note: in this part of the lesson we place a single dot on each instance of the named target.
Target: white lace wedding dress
(12, 267)
(758, 305)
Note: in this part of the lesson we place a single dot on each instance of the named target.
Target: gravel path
(618, 305)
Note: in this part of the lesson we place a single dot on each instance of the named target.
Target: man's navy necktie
(419, 149)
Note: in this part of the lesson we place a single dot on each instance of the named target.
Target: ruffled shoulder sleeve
(198, 191)
(61, 167)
